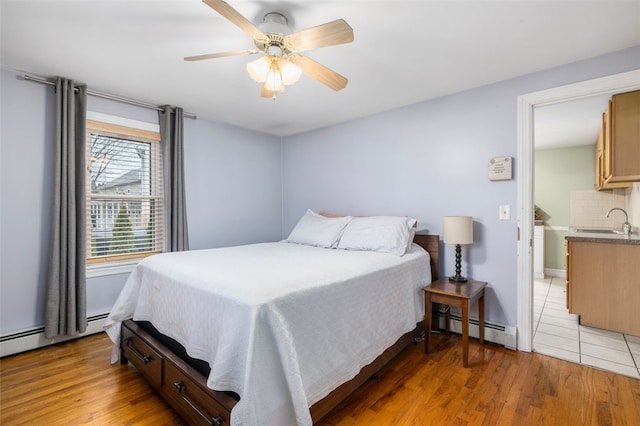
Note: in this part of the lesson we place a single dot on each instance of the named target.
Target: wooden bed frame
(183, 383)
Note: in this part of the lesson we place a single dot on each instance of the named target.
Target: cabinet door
(606, 154)
(568, 279)
(599, 175)
(538, 252)
(624, 138)
(602, 285)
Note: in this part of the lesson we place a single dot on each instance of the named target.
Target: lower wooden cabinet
(183, 387)
(603, 284)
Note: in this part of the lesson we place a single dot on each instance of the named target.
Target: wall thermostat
(500, 168)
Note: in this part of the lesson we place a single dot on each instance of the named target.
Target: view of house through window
(124, 192)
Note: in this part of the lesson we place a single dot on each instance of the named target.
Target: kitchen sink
(599, 231)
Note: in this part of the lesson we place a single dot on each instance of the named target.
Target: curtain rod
(107, 96)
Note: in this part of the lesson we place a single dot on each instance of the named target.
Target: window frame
(112, 126)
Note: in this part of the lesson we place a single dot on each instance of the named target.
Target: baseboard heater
(33, 338)
(497, 333)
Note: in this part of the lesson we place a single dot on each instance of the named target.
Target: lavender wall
(233, 187)
(429, 160)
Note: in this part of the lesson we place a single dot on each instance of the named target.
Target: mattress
(280, 324)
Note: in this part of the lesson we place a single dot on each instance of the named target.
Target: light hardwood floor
(74, 384)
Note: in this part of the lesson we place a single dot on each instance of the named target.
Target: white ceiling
(404, 51)
(571, 123)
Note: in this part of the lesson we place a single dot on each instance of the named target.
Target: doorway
(623, 82)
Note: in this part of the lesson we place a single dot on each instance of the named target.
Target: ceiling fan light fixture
(273, 81)
(259, 69)
(275, 40)
(274, 72)
(290, 72)
(274, 50)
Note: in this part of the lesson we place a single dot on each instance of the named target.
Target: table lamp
(458, 230)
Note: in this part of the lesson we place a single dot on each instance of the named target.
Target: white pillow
(316, 230)
(387, 234)
(412, 234)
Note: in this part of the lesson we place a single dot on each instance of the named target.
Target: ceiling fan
(281, 63)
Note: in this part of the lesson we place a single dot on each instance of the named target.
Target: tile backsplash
(589, 208)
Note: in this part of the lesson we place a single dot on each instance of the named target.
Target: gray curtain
(66, 309)
(171, 135)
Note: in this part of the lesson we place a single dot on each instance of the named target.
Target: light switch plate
(505, 212)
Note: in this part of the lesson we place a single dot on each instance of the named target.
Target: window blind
(124, 192)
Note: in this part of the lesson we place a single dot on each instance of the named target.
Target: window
(124, 192)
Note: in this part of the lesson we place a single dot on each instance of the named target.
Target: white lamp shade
(290, 72)
(274, 80)
(258, 69)
(458, 230)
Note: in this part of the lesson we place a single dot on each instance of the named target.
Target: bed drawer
(197, 404)
(145, 358)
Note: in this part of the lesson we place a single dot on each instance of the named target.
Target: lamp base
(457, 278)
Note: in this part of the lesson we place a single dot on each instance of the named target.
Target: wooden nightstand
(459, 295)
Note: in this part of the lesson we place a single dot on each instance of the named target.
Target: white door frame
(617, 83)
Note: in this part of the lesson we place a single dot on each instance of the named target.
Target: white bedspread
(280, 324)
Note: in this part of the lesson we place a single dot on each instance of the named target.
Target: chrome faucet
(626, 226)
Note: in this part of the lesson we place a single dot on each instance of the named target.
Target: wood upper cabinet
(599, 154)
(602, 155)
(602, 158)
(620, 142)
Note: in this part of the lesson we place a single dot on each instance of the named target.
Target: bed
(281, 339)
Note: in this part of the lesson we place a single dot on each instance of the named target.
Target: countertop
(572, 235)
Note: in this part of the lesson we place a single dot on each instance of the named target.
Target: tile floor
(558, 334)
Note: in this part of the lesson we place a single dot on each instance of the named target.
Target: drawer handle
(145, 358)
(213, 421)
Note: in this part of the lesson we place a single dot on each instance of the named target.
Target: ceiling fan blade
(221, 55)
(319, 72)
(329, 34)
(236, 18)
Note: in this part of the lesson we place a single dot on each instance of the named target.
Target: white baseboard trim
(558, 273)
(34, 338)
(497, 333)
